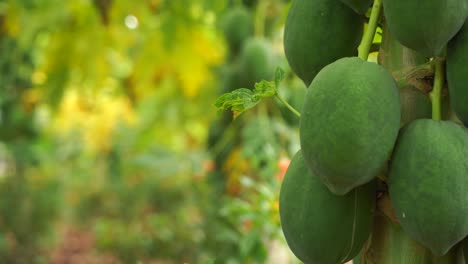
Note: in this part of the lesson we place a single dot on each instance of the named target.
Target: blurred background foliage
(111, 150)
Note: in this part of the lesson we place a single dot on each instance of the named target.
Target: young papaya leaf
(265, 89)
(242, 99)
(238, 101)
(279, 76)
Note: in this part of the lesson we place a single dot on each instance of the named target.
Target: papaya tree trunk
(388, 243)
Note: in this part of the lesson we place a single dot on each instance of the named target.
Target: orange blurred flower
(283, 165)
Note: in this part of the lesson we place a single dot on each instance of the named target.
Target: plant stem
(260, 18)
(436, 93)
(292, 109)
(228, 136)
(366, 42)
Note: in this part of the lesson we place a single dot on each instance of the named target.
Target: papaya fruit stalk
(366, 43)
(436, 93)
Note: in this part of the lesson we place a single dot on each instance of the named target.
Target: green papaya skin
(349, 123)
(414, 105)
(457, 72)
(321, 227)
(231, 78)
(428, 183)
(465, 249)
(257, 62)
(237, 25)
(319, 32)
(359, 6)
(425, 26)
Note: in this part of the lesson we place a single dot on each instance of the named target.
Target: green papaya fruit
(321, 227)
(425, 26)
(465, 249)
(349, 123)
(237, 26)
(317, 33)
(359, 6)
(428, 183)
(457, 71)
(391, 245)
(257, 62)
(231, 78)
(414, 105)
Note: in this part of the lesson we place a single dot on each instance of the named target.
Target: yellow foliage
(38, 78)
(30, 99)
(12, 25)
(193, 60)
(141, 61)
(189, 60)
(93, 117)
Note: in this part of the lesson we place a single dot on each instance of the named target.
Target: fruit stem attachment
(436, 93)
(292, 109)
(366, 42)
(405, 76)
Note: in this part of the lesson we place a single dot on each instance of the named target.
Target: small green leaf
(265, 89)
(279, 76)
(238, 101)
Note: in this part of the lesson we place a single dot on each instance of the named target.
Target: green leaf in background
(242, 99)
(279, 76)
(238, 101)
(265, 89)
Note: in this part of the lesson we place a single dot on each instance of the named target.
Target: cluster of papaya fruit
(251, 58)
(363, 135)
